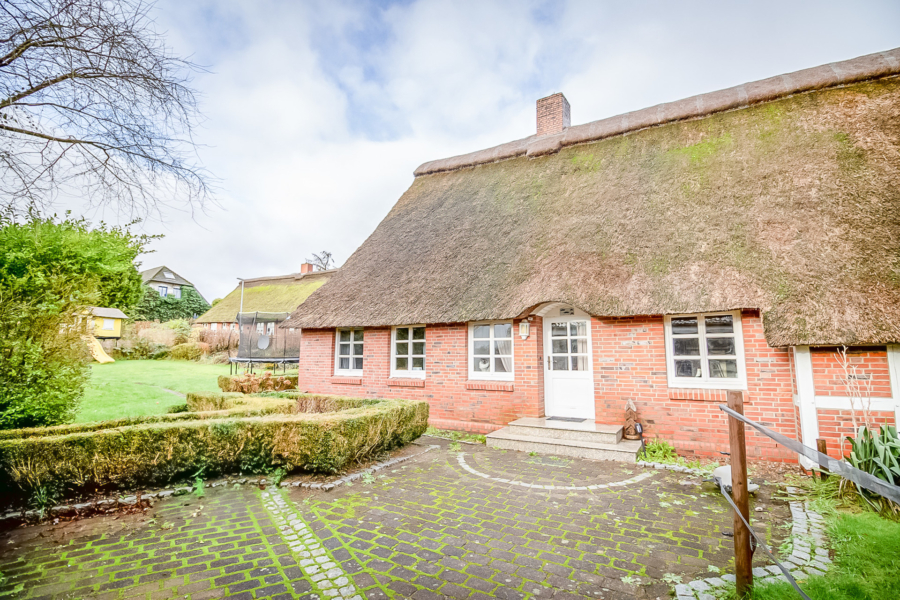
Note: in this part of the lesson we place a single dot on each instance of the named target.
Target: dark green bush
(163, 448)
(153, 307)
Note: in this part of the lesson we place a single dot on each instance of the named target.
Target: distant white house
(166, 281)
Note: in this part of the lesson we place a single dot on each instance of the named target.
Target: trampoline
(262, 341)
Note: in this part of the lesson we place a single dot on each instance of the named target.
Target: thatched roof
(281, 294)
(790, 206)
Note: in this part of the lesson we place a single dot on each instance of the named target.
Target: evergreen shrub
(257, 434)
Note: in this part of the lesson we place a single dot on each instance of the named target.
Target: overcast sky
(318, 112)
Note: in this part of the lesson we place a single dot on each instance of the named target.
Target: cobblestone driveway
(456, 522)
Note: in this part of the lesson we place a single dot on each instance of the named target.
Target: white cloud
(318, 112)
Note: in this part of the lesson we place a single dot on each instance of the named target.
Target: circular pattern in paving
(546, 472)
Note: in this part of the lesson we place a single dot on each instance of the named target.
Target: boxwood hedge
(240, 434)
(266, 381)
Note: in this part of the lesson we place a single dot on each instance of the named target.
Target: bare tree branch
(321, 261)
(93, 104)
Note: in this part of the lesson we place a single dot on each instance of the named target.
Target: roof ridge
(297, 275)
(871, 66)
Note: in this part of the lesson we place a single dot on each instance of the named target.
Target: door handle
(548, 362)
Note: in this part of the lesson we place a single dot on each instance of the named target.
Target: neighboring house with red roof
(728, 241)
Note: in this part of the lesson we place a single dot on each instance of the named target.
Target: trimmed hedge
(257, 434)
(231, 383)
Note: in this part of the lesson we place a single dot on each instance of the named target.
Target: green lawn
(866, 564)
(130, 388)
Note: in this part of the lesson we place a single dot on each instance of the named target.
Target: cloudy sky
(317, 113)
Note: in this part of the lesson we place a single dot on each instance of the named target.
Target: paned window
(108, 325)
(569, 346)
(163, 291)
(408, 352)
(491, 351)
(349, 351)
(213, 326)
(177, 292)
(705, 350)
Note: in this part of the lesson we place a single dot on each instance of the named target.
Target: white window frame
(109, 325)
(409, 373)
(707, 382)
(176, 291)
(163, 290)
(470, 355)
(337, 357)
(270, 328)
(213, 326)
(168, 274)
(260, 329)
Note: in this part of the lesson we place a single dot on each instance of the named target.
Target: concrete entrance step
(625, 451)
(586, 431)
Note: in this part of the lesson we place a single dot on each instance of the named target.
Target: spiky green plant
(878, 455)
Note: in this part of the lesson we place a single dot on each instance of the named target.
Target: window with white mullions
(705, 349)
(569, 346)
(408, 352)
(349, 351)
(491, 351)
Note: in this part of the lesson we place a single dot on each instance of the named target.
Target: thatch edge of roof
(877, 65)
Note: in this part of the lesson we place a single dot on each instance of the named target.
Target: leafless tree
(93, 104)
(321, 261)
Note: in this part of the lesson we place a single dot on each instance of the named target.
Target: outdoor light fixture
(524, 329)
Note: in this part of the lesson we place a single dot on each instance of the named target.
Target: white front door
(568, 378)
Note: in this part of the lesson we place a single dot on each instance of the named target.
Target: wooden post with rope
(743, 558)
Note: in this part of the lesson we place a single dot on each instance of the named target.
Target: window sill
(491, 386)
(346, 380)
(692, 384)
(406, 382)
(702, 394)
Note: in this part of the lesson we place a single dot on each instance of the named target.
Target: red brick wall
(836, 425)
(630, 363)
(455, 402)
(831, 380)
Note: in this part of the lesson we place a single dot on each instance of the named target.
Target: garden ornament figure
(632, 428)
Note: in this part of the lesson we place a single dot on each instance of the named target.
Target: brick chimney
(553, 114)
(306, 268)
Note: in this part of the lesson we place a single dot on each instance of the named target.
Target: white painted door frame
(568, 393)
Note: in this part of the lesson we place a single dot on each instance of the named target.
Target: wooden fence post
(743, 558)
(822, 445)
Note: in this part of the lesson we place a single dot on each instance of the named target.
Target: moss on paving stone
(221, 545)
(423, 529)
(429, 525)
